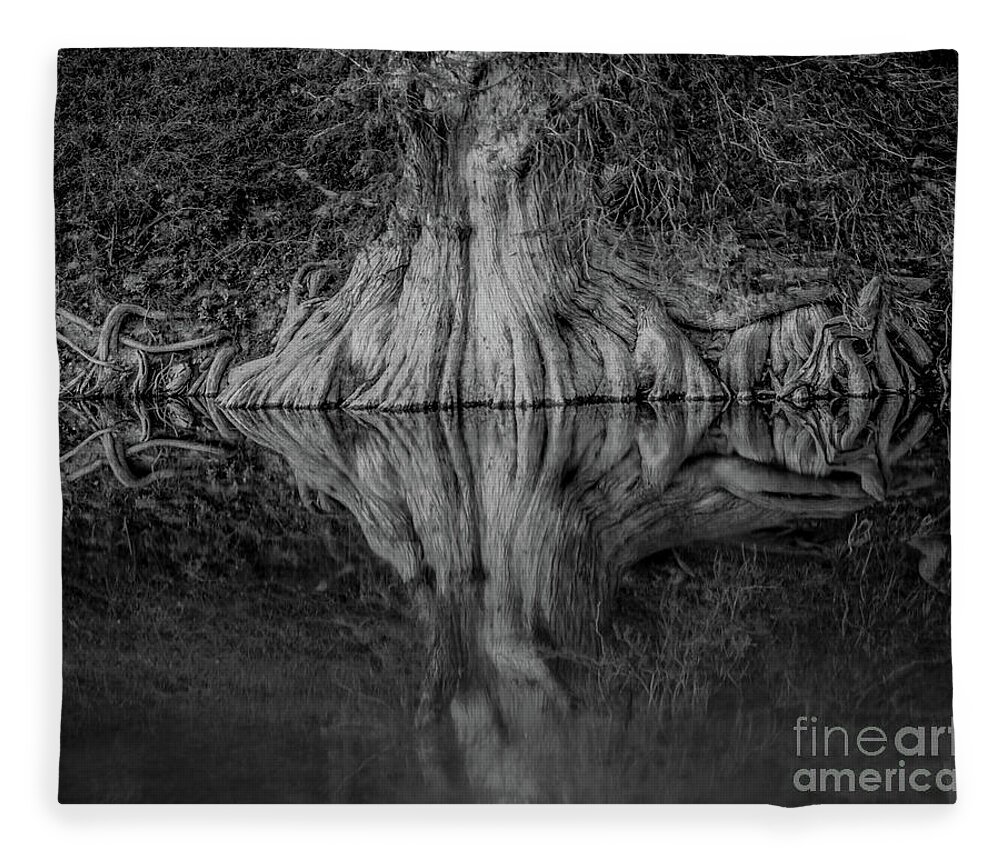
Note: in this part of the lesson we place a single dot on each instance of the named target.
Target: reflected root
(134, 465)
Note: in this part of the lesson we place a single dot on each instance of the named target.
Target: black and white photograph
(505, 427)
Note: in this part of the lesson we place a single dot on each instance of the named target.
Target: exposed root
(107, 370)
(220, 363)
(792, 337)
(180, 346)
(82, 352)
(666, 363)
(383, 343)
(702, 298)
(744, 359)
(107, 342)
(916, 346)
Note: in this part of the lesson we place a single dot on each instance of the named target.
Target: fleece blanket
(463, 427)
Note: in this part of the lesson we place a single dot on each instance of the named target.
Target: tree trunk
(486, 290)
(491, 285)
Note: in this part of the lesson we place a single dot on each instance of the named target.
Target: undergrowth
(850, 155)
(200, 179)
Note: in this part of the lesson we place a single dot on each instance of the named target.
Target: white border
(36, 825)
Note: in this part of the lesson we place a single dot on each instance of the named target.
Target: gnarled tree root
(809, 353)
(382, 343)
(119, 365)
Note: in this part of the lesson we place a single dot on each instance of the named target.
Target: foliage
(849, 155)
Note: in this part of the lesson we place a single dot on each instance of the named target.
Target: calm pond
(617, 603)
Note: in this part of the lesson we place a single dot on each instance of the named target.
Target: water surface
(643, 603)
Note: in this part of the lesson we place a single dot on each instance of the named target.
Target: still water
(642, 603)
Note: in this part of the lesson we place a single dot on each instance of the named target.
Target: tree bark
(486, 290)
